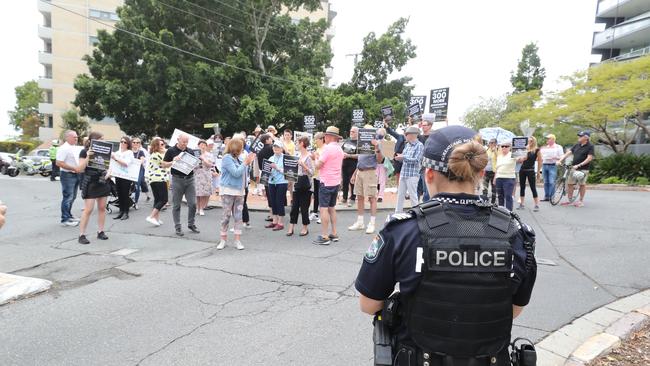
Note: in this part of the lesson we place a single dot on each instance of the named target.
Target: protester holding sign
(399, 148)
(94, 189)
(349, 165)
(233, 188)
(182, 185)
(123, 158)
(157, 177)
(302, 189)
(277, 188)
(382, 172)
(365, 184)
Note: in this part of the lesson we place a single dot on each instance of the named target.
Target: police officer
(465, 268)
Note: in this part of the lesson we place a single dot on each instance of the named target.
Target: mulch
(635, 351)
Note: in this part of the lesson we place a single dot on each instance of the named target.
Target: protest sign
(291, 168)
(299, 134)
(358, 116)
(419, 99)
(439, 103)
(519, 147)
(414, 111)
(101, 154)
(130, 172)
(193, 142)
(186, 163)
(378, 124)
(364, 142)
(309, 123)
(265, 175)
(387, 113)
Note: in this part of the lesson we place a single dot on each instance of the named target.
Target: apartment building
(68, 37)
(627, 29)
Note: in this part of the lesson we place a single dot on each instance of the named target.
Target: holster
(382, 342)
(525, 355)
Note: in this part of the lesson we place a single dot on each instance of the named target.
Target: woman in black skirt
(123, 157)
(94, 189)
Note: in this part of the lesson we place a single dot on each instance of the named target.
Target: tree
(530, 74)
(610, 99)
(149, 87)
(488, 113)
(30, 126)
(72, 121)
(370, 87)
(28, 96)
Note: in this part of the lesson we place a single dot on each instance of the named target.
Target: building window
(103, 15)
(93, 40)
(49, 121)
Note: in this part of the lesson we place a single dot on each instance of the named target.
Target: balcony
(45, 32)
(632, 33)
(44, 7)
(45, 58)
(330, 32)
(622, 8)
(45, 108)
(632, 54)
(45, 82)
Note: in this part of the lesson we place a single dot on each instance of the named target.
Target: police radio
(525, 355)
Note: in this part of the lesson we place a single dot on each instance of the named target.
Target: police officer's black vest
(462, 307)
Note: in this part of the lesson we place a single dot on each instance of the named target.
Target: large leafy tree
(250, 58)
(370, 87)
(487, 113)
(530, 74)
(611, 99)
(28, 96)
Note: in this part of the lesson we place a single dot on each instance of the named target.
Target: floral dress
(203, 177)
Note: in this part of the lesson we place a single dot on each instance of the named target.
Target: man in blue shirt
(410, 175)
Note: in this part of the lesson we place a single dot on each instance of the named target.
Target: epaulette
(397, 217)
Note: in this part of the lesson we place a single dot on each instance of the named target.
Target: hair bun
(470, 155)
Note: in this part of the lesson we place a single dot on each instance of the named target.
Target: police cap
(441, 143)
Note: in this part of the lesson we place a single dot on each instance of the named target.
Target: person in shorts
(583, 154)
(365, 186)
(329, 164)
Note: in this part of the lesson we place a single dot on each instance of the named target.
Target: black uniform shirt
(391, 257)
(580, 153)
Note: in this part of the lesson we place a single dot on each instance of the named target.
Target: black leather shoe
(179, 232)
(83, 240)
(125, 217)
(102, 236)
(194, 229)
(118, 217)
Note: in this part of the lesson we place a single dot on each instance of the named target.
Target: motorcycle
(11, 169)
(29, 167)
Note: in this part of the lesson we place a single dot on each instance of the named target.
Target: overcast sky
(468, 45)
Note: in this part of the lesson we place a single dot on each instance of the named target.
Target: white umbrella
(498, 133)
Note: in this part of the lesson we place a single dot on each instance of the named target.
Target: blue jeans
(505, 188)
(69, 188)
(138, 186)
(425, 190)
(549, 173)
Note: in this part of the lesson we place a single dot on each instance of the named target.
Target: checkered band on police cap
(441, 143)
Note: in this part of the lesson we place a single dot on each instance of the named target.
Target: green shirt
(53, 152)
(156, 173)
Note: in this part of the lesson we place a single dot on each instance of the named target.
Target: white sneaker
(222, 244)
(159, 222)
(152, 221)
(232, 230)
(70, 223)
(357, 226)
(371, 228)
(318, 221)
(239, 245)
(247, 225)
(313, 216)
(201, 213)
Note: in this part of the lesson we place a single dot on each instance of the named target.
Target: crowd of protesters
(331, 171)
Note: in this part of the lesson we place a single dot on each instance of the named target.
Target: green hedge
(13, 146)
(626, 167)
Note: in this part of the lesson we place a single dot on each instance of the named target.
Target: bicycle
(562, 186)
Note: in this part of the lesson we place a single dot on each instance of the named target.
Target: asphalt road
(282, 301)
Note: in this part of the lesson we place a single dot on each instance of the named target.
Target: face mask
(380, 137)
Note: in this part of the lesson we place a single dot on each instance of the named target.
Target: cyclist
(583, 154)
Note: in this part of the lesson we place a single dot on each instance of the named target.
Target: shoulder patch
(374, 249)
(398, 217)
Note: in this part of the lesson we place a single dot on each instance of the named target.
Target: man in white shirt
(67, 160)
(551, 154)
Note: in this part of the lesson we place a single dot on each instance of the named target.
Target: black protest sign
(358, 116)
(266, 172)
(419, 99)
(387, 113)
(439, 103)
(291, 168)
(309, 123)
(257, 146)
(379, 124)
(101, 158)
(519, 146)
(414, 110)
(364, 142)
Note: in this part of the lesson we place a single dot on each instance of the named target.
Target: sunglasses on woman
(505, 146)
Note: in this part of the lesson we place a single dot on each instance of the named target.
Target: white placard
(192, 143)
(130, 172)
(186, 163)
